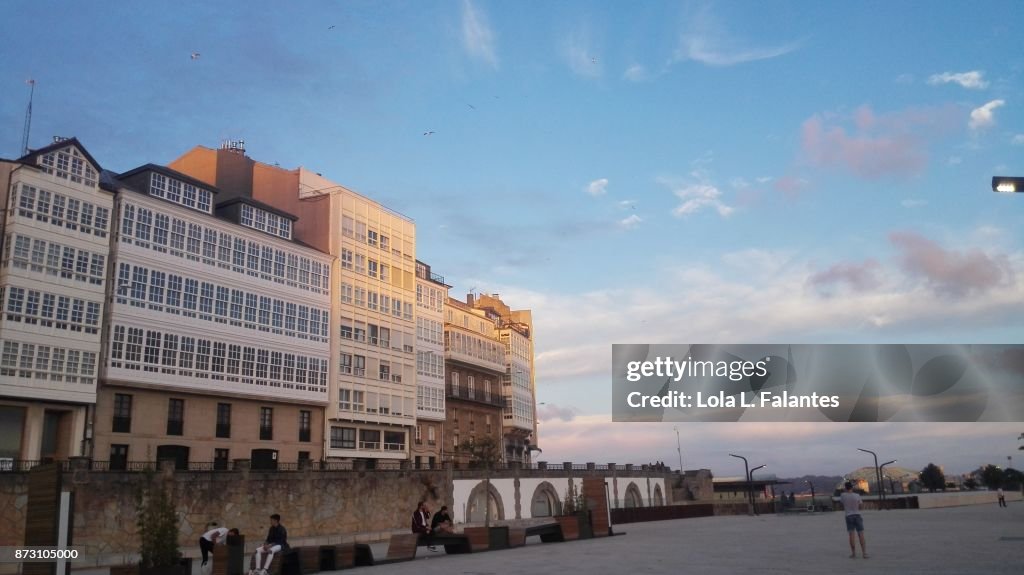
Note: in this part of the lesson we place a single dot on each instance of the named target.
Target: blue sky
(663, 172)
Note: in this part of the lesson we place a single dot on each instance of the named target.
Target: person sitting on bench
(277, 542)
(420, 525)
(442, 522)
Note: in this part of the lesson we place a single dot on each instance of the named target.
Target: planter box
(499, 538)
(586, 525)
(570, 527)
(577, 526)
(479, 538)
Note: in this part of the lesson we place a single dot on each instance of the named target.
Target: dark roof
(257, 204)
(30, 158)
(109, 181)
(170, 174)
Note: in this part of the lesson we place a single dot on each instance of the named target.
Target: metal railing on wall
(219, 465)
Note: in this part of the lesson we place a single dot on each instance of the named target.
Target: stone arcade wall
(317, 507)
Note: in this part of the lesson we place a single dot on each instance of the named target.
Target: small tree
(992, 477)
(970, 483)
(574, 502)
(932, 478)
(1012, 479)
(158, 525)
(484, 454)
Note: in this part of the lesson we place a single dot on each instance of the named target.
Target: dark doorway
(179, 453)
(264, 459)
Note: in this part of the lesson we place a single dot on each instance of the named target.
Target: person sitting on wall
(277, 542)
(442, 521)
(420, 525)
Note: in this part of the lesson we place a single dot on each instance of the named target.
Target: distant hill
(823, 484)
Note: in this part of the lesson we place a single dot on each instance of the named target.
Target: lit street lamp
(746, 473)
(1007, 184)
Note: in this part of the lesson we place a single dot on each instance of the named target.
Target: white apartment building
(219, 345)
(372, 408)
(431, 294)
(55, 231)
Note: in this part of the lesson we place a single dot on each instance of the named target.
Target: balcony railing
(463, 392)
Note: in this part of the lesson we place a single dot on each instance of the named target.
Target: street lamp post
(878, 475)
(746, 473)
(1007, 184)
(679, 448)
(881, 470)
(750, 481)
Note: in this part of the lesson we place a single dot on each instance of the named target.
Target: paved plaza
(951, 540)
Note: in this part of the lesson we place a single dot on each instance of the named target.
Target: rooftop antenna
(28, 116)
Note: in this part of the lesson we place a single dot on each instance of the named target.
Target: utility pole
(679, 448)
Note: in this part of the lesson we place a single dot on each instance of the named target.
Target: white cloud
(630, 222)
(911, 203)
(581, 57)
(905, 79)
(764, 179)
(696, 197)
(700, 196)
(955, 160)
(627, 204)
(1018, 140)
(739, 183)
(598, 187)
(984, 117)
(971, 80)
(707, 42)
(636, 73)
(477, 35)
(758, 295)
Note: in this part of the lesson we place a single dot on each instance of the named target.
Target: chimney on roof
(237, 146)
(469, 299)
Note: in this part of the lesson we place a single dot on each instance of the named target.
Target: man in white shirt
(211, 538)
(854, 522)
(1002, 497)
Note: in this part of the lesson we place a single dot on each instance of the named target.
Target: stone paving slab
(962, 540)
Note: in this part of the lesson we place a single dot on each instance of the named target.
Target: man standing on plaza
(854, 522)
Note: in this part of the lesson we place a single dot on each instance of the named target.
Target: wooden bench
(345, 556)
(286, 563)
(309, 559)
(517, 537)
(549, 532)
(403, 546)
